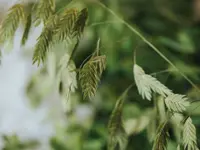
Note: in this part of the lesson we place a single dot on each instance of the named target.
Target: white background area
(16, 114)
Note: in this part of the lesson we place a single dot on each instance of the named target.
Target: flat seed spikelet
(71, 24)
(44, 10)
(67, 73)
(176, 103)
(64, 28)
(146, 84)
(11, 22)
(67, 81)
(189, 135)
(117, 135)
(90, 74)
(27, 29)
(80, 22)
(160, 142)
(45, 40)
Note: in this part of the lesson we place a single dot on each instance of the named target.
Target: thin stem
(134, 53)
(126, 91)
(147, 42)
(102, 23)
(98, 49)
(85, 60)
(74, 50)
(162, 71)
(98, 46)
(134, 56)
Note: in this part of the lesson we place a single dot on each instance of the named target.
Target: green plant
(56, 47)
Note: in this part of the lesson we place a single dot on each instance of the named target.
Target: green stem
(162, 71)
(102, 23)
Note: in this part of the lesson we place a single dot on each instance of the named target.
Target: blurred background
(32, 119)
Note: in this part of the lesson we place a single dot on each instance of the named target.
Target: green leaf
(186, 43)
(183, 43)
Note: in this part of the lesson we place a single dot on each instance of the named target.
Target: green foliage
(59, 71)
(183, 43)
(13, 143)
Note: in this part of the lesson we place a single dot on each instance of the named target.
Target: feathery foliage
(176, 103)
(44, 10)
(189, 135)
(91, 72)
(160, 142)
(117, 135)
(11, 22)
(146, 84)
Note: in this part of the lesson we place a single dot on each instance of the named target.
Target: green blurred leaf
(183, 44)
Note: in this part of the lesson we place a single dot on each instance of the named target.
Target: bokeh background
(29, 121)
